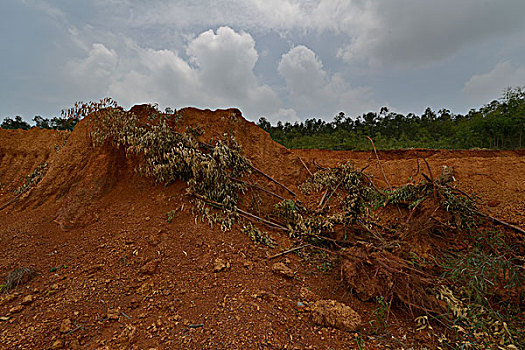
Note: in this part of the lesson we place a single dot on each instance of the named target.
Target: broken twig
(272, 179)
(379, 162)
(242, 212)
(309, 172)
(257, 187)
(288, 251)
(502, 222)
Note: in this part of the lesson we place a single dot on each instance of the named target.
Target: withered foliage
(166, 155)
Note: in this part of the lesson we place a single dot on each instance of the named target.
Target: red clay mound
(22, 151)
(81, 174)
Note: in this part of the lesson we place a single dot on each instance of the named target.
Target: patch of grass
(16, 277)
(172, 214)
(360, 342)
(381, 315)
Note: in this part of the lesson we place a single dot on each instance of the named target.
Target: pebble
(27, 300)
(220, 265)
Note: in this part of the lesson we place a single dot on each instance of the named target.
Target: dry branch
(242, 212)
(379, 162)
(373, 184)
(502, 222)
(309, 172)
(431, 177)
(272, 179)
(330, 195)
(14, 199)
(320, 167)
(288, 251)
(257, 187)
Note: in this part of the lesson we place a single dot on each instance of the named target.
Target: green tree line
(497, 125)
(42, 123)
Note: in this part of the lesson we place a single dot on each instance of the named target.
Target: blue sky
(286, 60)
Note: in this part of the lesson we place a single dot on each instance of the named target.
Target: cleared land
(112, 270)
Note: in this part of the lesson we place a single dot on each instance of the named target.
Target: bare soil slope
(114, 273)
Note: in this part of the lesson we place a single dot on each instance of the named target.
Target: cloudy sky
(284, 59)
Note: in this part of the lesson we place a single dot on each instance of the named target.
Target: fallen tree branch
(319, 166)
(272, 179)
(288, 251)
(501, 222)
(431, 178)
(373, 184)
(76, 328)
(379, 162)
(309, 172)
(257, 187)
(242, 212)
(253, 216)
(323, 198)
(331, 194)
(14, 199)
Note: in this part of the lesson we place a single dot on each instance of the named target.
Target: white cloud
(312, 88)
(482, 88)
(225, 63)
(218, 74)
(304, 74)
(284, 115)
(412, 32)
(283, 14)
(382, 32)
(96, 69)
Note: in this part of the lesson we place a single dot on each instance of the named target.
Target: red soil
(113, 273)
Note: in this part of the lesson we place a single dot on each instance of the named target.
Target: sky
(286, 60)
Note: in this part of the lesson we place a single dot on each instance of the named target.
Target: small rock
(95, 268)
(65, 326)
(281, 269)
(113, 314)
(153, 239)
(16, 309)
(220, 265)
(307, 294)
(301, 306)
(58, 344)
(27, 300)
(149, 268)
(330, 313)
(493, 203)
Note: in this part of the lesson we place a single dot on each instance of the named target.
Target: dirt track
(114, 273)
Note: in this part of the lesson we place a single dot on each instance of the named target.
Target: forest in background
(497, 125)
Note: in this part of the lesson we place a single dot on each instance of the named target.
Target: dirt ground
(113, 273)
